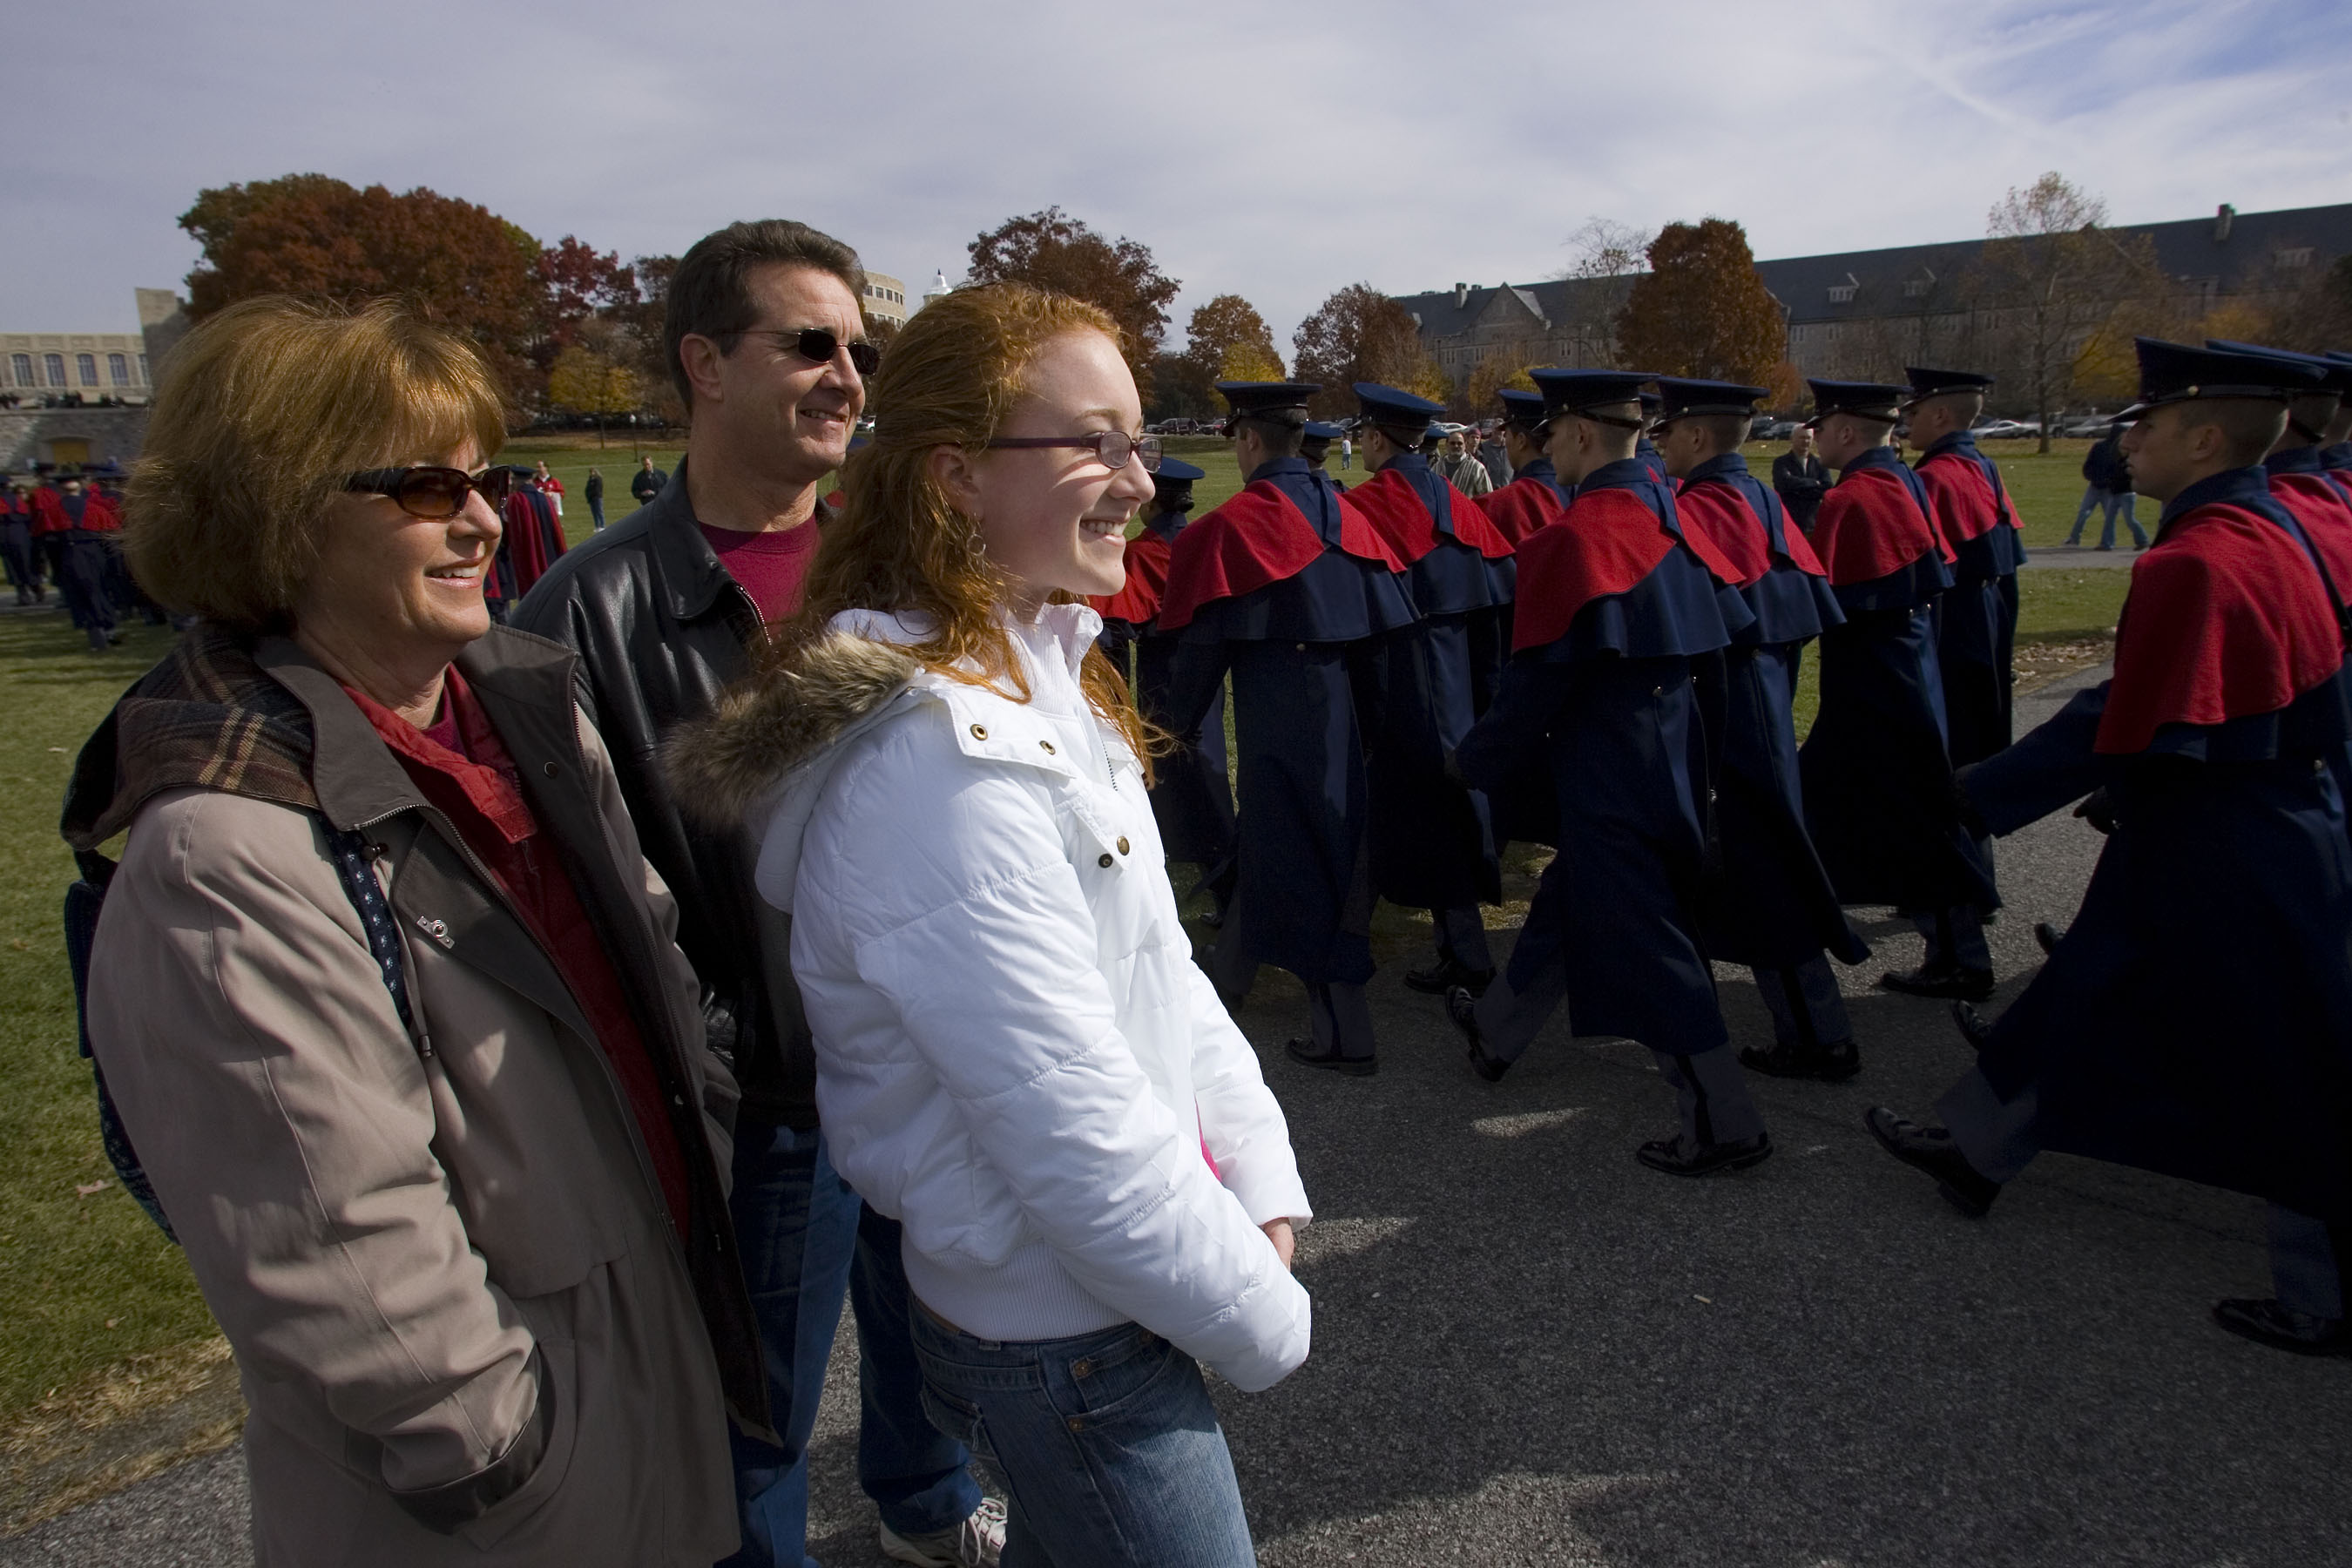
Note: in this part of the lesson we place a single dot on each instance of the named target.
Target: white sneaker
(974, 1543)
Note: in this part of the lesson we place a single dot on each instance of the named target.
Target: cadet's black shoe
(1462, 1011)
(1940, 980)
(2282, 1328)
(1304, 1053)
(2047, 935)
(1445, 975)
(1834, 1062)
(1668, 1154)
(1931, 1149)
(1972, 1026)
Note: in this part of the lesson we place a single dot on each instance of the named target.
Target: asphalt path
(1528, 1348)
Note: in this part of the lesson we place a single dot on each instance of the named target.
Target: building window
(118, 370)
(1842, 293)
(56, 365)
(22, 364)
(1917, 288)
(87, 365)
(143, 371)
(2296, 255)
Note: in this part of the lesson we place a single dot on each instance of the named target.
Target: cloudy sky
(1276, 150)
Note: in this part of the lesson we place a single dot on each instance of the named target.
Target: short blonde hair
(262, 412)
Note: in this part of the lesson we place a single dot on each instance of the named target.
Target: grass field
(97, 1305)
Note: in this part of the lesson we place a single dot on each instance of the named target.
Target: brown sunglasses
(435, 493)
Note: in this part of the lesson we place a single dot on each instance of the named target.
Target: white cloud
(1280, 152)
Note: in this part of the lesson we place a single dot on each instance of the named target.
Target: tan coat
(464, 1325)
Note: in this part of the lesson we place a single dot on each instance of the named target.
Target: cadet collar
(2231, 487)
(1407, 463)
(2294, 460)
(1538, 467)
(1883, 455)
(1274, 466)
(1625, 474)
(1722, 466)
(1961, 441)
(1167, 525)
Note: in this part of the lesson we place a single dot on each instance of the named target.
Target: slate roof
(2191, 250)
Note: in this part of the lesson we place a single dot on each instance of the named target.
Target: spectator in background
(550, 486)
(666, 608)
(594, 490)
(2106, 483)
(648, 482)
(1462, 468)
(1497, 460)
(1346, 451)
(1800, 479)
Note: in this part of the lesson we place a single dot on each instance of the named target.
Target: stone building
(886, 299)
(1865, 314)
(34, 366)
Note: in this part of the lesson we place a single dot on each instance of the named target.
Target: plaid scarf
(206, 717)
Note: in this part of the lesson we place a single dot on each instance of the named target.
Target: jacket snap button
(550, 769)
(1104, 862)
(1122, 846)
(980, 732)
(1081, 1368)
(1048, 746)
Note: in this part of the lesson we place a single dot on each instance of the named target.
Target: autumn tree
(1701, 310)
(1503, 367)
(317, 238)
(2056, 290)
(1361, 334)
(1229, 341)
(1052, 250)
(578, 283)
(1604, 258)
(587, 381)
(1181, 389)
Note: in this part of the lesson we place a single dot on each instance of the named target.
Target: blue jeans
(596, 513)
(1109, 1447)
(918, 1477)
(2112, 501)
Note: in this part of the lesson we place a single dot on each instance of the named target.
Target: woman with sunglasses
(384, 994)
(1017, 1057)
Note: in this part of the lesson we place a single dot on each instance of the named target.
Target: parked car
(2092, 427)
(1768, 428)
(2007, 430)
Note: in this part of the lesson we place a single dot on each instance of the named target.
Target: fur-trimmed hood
(723, 766)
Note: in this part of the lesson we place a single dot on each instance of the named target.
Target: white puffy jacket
(1016, 1056)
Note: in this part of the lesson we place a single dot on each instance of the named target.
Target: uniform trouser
(1805, 1003)
(2000, 1140)
(1954, 936)
(24, 572)
(1338, 1017)
(1710, 1091)
(1462, 939)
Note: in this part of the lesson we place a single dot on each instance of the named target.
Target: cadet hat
(1863, 399)
(1681, 397)
(1172, 485)
(1322, 430)
(2177, 372)
(1395, 408)
(1651, 403)
(1578, 392)
(1273, 400)
(1522, 410)
(1926, 384)
(2335, 375)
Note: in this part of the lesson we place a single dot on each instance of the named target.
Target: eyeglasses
(820, 346)
(433, 494)
(1111, 447)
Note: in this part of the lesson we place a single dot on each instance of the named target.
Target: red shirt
(463, 769)
(772, 567)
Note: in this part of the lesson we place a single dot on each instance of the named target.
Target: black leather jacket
(661, 629)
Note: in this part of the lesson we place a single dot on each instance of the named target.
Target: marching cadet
(1190, 799)
(1876, 771)
(1647, 450)
(1534, 495)
(1288, 587)
(1773, 906)
(1977, 617)
(16, 542)
(1317, 448)
(87, 525)
(1432, 840)
(2196, 1020)
(1619, 603)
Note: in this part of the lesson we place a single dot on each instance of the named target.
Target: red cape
(1395, 509)
(1146, 579)
(1869, 526)
(2327, 519)
(1962, 499)
(100, 515)
(1606, 542)
(1521, 507)
(48, 511)
(2225, 619)
(532, 539)
(1720, 513)
(1258, 537)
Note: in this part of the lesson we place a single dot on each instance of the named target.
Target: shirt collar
(2231, 487)
(1723, 465)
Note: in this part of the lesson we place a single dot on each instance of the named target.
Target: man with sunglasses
(766, 347)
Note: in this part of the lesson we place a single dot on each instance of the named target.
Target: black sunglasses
(818, 344)
(1113, 447)
(435, 493)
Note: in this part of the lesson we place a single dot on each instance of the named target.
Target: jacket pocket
(560, 1359)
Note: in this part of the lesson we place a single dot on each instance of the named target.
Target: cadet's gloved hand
(1454, 770)
(1965, 809)
(2098, 810)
